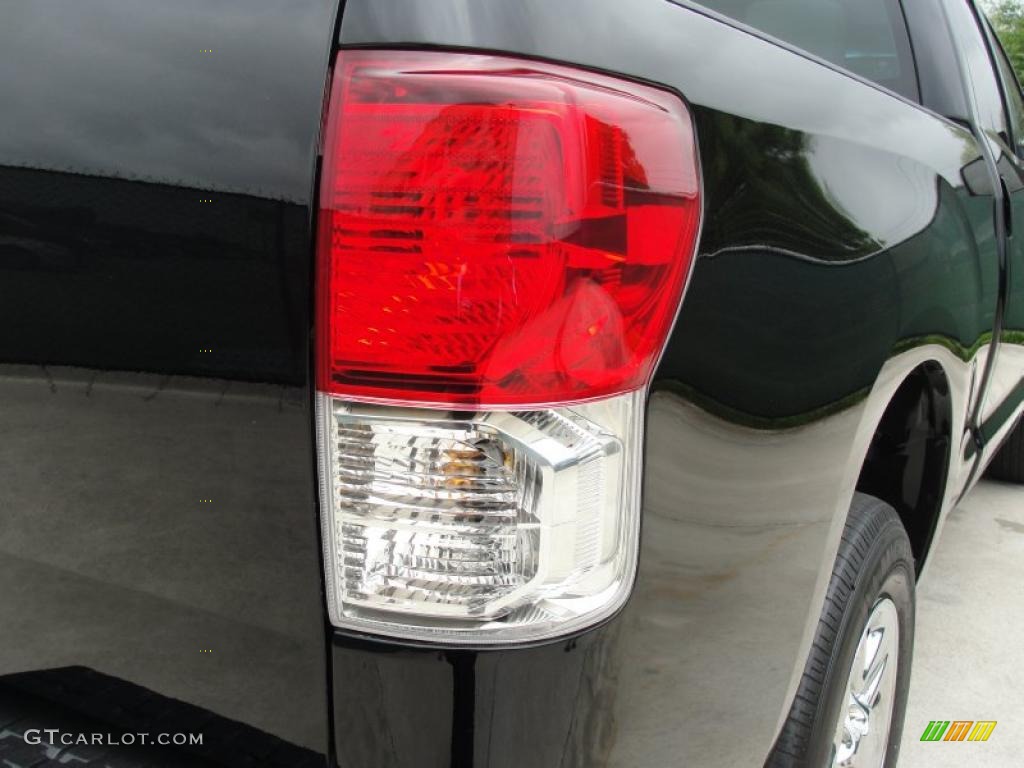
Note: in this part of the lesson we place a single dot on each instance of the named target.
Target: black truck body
(853, 321)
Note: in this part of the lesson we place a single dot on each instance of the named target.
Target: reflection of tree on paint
(762, 191)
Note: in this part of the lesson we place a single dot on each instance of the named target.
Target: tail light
(503, 246)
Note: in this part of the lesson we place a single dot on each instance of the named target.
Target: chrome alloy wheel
(862, 733)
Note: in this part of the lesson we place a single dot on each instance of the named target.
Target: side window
(992, 116)
(867, 37)
(1011, 87)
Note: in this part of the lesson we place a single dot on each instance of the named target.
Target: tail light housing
(503, 246)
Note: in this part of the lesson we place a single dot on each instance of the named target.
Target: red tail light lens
(497, 232)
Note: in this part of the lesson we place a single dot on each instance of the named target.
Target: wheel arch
(910, 453)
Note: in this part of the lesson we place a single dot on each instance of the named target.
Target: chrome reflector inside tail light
(484, 527)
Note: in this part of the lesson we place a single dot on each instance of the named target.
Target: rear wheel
(1008, 464)
(849, 707)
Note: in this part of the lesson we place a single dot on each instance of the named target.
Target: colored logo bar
(958, 730)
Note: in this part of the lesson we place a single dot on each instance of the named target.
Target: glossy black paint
(158, 524)
(429, 707)
(849, 274)
(848, 281)
(150, 277)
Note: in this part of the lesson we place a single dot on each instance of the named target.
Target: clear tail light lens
(503, 248)
(480, 527)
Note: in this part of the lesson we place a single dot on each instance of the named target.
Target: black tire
(1008, 465)
(874, 561)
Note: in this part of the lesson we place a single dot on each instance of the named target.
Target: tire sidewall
(887, 571)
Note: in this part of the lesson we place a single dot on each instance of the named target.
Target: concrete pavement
(969, 656)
